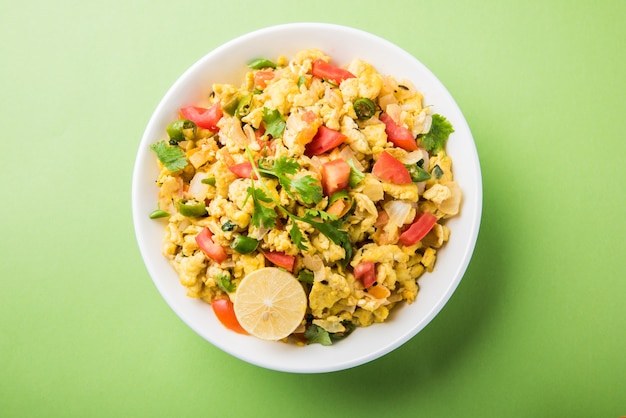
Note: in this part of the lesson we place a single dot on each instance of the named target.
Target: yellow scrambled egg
(277, 112)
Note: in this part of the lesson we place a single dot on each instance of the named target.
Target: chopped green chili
(225, 282)
(259, 63)
(191, 208)
(306, 276)
(437, 172)
(181, 130)
(341, 194)
(229, 226)
(159, 213)
(231, 105)
(209, 180)
(243, 244)
(417, 173)
(364, 108)
(243, 107)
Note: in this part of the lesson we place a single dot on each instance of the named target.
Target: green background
(536, 327)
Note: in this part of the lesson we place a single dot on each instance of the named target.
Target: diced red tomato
(398, 135)
(262, 77)
(243, 170)
(365, 272)
(389, 169)
(322, 69)
(335, 176)
(324, 140)
(212, 250)
(258, 134)
(204, 118)
(225, 313)
(418, 229)
(281, 259)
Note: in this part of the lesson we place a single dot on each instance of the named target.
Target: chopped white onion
(347, 154)
(259, 233)
(399, 213)
(197, 189)
(317, 163)
(411, 157)
(428, 121)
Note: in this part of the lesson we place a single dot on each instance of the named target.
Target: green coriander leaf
(172, 157)
(334, 234)
(297, 237)
(308, 188)
(323, 215)
(274, 123)
(336, 336)
(225, 283)
(435, 140)
(316, 334)
(284, 165)
(262, 216)
(356, 176)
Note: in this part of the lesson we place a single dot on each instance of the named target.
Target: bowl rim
(277, 357)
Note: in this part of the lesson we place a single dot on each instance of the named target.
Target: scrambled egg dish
(338, 174)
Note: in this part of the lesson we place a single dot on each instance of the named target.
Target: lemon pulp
(270, 303)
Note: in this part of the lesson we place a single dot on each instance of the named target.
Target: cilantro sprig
(308, 190)
(263, 215)
(274, 122)
(172, 157)
(440, 129)
(318, 335)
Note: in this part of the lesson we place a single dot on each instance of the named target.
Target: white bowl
(227, 63)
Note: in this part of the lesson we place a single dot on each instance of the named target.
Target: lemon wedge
(270, 303)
